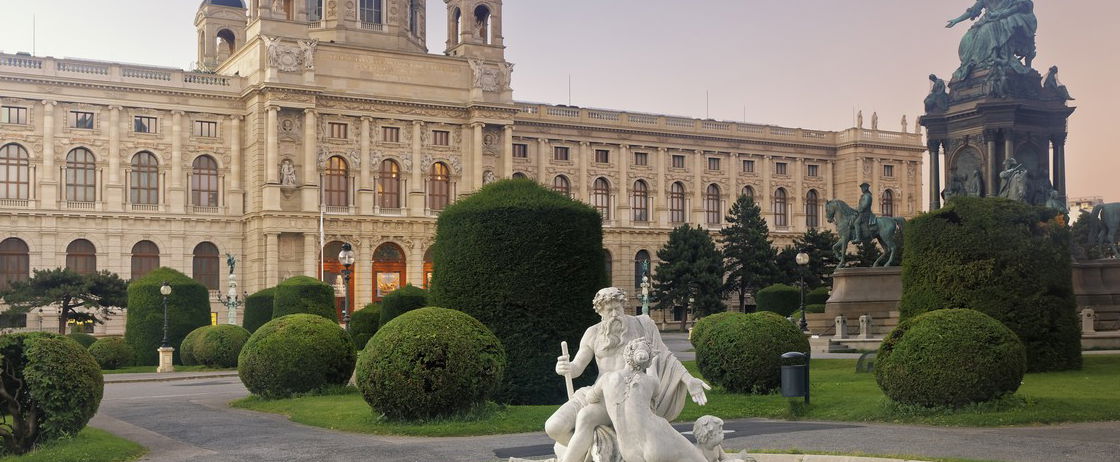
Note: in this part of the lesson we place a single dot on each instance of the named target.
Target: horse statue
(1106, 223)
(888, 232)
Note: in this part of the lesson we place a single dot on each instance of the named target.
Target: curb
(172, 378)
(821, 458)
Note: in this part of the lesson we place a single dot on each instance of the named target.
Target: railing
(336, 209)
(390, 211)
(643, 119)
(145, 74)
(315, 25)
(206, 209)
(17, 203)
(528, 109)
(563, 111)
(19, 61)
(114, 72)
(603, 115)
(82, 68)
(206, 79)
(80, 205)
(371, 26)
(675, 122)
(145, 207)
(712, 125)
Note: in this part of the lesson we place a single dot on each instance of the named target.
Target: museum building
(316, 111)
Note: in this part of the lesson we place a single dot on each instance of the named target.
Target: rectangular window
(780, 168)
(713, 163)
(602, 156)
(888, 171)
(145, 124)
(678, 161)
(560, 153)
(206, 128)
(338, 130)
(748, 166)
(641, 158)
(812, 170)
(391, 134)
(521, 150)
(441, 138)
(13, 115)
(82, 120)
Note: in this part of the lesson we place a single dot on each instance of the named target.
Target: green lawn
(152, 369)
(861, 454)
(90, 445)
(839, 394)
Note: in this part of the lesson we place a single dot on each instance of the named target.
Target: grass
(90, 445)
(152, 369)
(838, 394)
(860, 454)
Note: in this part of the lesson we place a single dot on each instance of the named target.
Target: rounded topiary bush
(364, 323)
(1007, 259)
(258, 309)
(818, 296)
(401, 301)
(186, 348)
(83, 339)
(428, 363)
(111, 353)
(742, 352)
(778, 298)
(218, 346)
(950, 358)
(303, 294)
(53, 387)
(295, 354)
(526, 262)
(188, 308)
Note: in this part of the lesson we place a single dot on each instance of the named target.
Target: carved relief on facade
(290, 127)
(352, 156)
(488, 177)
(283, 57)
(492, 141)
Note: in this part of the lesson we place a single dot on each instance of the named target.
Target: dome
(232, 3)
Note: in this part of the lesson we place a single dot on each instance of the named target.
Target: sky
(794, 63)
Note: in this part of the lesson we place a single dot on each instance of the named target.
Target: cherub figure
(708, 431)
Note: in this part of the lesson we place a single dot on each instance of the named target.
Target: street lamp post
(346, 257)
(231, 301)
(165, 349)
(802, 261)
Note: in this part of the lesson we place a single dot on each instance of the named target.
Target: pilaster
(271, 188)
(48, 182)
(176, 193)
(507, 151)
(309, 191)
(661, 191)
(582, 183)
(236, 197)
(416, 202)
(114, 189)
(696, 204)
(365, 187)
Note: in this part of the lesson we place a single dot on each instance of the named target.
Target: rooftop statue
(1052, 85)
(1003, 30)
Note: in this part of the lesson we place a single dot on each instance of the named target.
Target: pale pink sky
(797, 63)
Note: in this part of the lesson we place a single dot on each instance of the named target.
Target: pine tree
(101, 294)
(689, 274)
(822, 262)
(748, 253)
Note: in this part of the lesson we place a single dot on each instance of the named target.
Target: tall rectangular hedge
(188, 308)
(1004, 258)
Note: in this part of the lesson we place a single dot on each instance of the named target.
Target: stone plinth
(1097, 282)
(165, 356)
(865, 291)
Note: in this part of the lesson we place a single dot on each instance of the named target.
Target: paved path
(189, 420)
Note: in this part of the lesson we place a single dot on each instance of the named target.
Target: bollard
(865, 326)
(841, 327)
(1087, 318)
(795, 378)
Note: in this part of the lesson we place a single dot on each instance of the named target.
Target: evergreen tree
(748, 253)
(690, 267)
(99, 293)
(822, 262)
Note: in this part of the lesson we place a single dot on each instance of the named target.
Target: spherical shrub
(428, 363)
(295, 354)
(53, 387)
(258, 309)
(186, 349)
(401, 301)
(218, 346)
(111, 353)
(742, 352)
(778, 298)
(303, 294)
(188, 308)
(364, 323)
(83, 339)
(818, 296)
(950, 358)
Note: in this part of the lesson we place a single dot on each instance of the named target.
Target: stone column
(761, 198)
(309, 192)
(622, 201)
(1059, 174)
(48, 182)
(507, 152)
(235, 202)
(904, 189)
(582, 183)
(1008, 145)
(830, 180)
(114, 189)
(272, 147)
(991, 186)
(660, 191)
(542, 160)
(797, 200)
(474, 169)
(177, 193)
(934, 147)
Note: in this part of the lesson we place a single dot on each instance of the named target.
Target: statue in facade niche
(938, 99)
(287, 173)
(1013, 180)
(1003, 29)
(1053, 86)
(974, 186)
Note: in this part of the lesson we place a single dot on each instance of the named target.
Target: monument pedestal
(165, 356)
(1096, 285)
(856, 292)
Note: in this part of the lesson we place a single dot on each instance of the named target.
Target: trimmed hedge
(186, 349)
(364, 323)
(950, 358)
(431, 362)
(818, 296)
(188, 307)
(59, 389)
(83, 339)
(778, 298)
(526, 262)
(258, 309)
(111, 353)
(218, 346)
(1007, 259)
(303, 294)
(293, 354)
(401, 301)
(742, 352)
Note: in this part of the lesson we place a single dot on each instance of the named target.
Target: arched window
(336, 183)
(887, 206)
(389, 185)
(204, 182)
(332, 273)
(81, 176)
(388, 269)
(640, 201)
(456, 22)
(608, 264)
(561, 185)
(227, 43)
(144, 179)
(15, 262)
(781, 208)
(289, 11)
(15, 179)
(206, 265)
(601, 197)
(369, 11)
(519, 176)
(482, 23)
(711, 205)
(641, 267)
(748, 191)
(439, 187)
(812, 209)
(145, 258)
(81, 257)
(676, 203)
